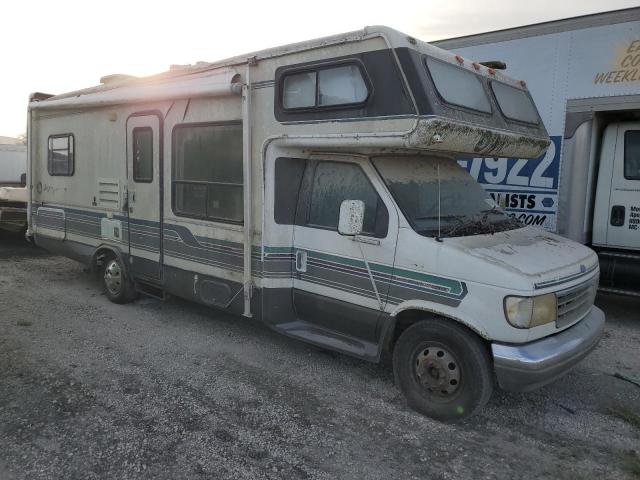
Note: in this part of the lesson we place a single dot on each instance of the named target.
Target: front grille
(575, 302)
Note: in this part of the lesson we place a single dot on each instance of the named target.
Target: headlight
(529, 312)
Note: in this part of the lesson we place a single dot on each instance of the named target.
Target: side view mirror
(351, 217)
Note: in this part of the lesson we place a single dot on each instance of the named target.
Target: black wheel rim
(437, 371)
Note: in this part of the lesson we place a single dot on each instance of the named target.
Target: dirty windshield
(440, 198)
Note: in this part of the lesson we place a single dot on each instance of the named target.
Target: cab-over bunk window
(207, 171)
(458, 86)
(514, 103)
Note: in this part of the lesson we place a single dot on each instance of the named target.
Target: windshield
(440, 198)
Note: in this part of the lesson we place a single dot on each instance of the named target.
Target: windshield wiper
(476, 225)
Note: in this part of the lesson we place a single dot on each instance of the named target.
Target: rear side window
(60, 157)
(324, 87)
(334, 182)
(207, 178)
(143, 154)
(514, 103)
(632, 155)
(458, 86)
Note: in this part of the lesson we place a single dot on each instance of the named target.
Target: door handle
(301, 261)
(131, 200)
(617, 215)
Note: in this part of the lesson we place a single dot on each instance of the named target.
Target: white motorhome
(13, 193)
(314, 187)
(584, 75)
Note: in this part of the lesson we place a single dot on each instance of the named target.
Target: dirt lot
(89, 389)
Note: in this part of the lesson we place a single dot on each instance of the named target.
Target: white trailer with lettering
(314, 187)
(13, 193)
(584, 75)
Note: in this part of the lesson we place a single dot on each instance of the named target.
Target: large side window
(143, 154)
(60, 157)
(324, 87)
(334, 182)
(632, 155)
(207, 171)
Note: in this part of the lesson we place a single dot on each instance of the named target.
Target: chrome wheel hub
(437, 370)
(113, 277)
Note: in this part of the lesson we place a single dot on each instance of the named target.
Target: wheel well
(406, 318)
(99, 256)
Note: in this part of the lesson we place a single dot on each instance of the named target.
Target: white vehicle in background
(13, 193)
(584, 75)
(315, 188)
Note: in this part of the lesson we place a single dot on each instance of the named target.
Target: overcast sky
(62, 45)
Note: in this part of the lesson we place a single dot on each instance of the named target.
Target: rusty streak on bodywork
(439, 134)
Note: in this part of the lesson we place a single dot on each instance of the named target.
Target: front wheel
(118, 286)
(443, 369)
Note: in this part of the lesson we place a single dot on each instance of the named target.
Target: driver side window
(334, 182)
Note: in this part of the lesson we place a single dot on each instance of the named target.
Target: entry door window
(143, 155)
(632, 155)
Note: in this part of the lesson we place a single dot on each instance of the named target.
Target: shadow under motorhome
(314, 187)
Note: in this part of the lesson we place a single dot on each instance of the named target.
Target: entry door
(623, 229)
(332, 286)
(144, 181)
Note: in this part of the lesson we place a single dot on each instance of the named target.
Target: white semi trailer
(584, 75)
(13, 193)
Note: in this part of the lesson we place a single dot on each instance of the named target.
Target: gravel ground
(172, 390)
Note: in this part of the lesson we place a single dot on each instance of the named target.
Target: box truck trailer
(314, 187)
(584, 75)
(13, 192)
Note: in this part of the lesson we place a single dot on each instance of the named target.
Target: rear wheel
(443, 369)
(118, 286)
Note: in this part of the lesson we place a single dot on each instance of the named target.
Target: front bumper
(529, 366)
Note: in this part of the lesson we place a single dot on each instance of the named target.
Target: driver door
(332, 288)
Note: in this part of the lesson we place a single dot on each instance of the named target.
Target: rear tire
(443, 369)
(118, 285)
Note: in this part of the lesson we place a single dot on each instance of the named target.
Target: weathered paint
(446, 135)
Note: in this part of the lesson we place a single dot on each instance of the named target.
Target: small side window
(143, 155)
(324, 87)
(632, 154)
(300, 90)
(341, 85)
(334, 182)
(60, 157)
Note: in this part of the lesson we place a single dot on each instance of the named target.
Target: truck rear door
(623, 227)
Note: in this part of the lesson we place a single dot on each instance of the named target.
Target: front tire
(443, 369)
(118, 286)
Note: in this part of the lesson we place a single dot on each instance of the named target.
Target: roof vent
(189, 66)
(116, 77)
